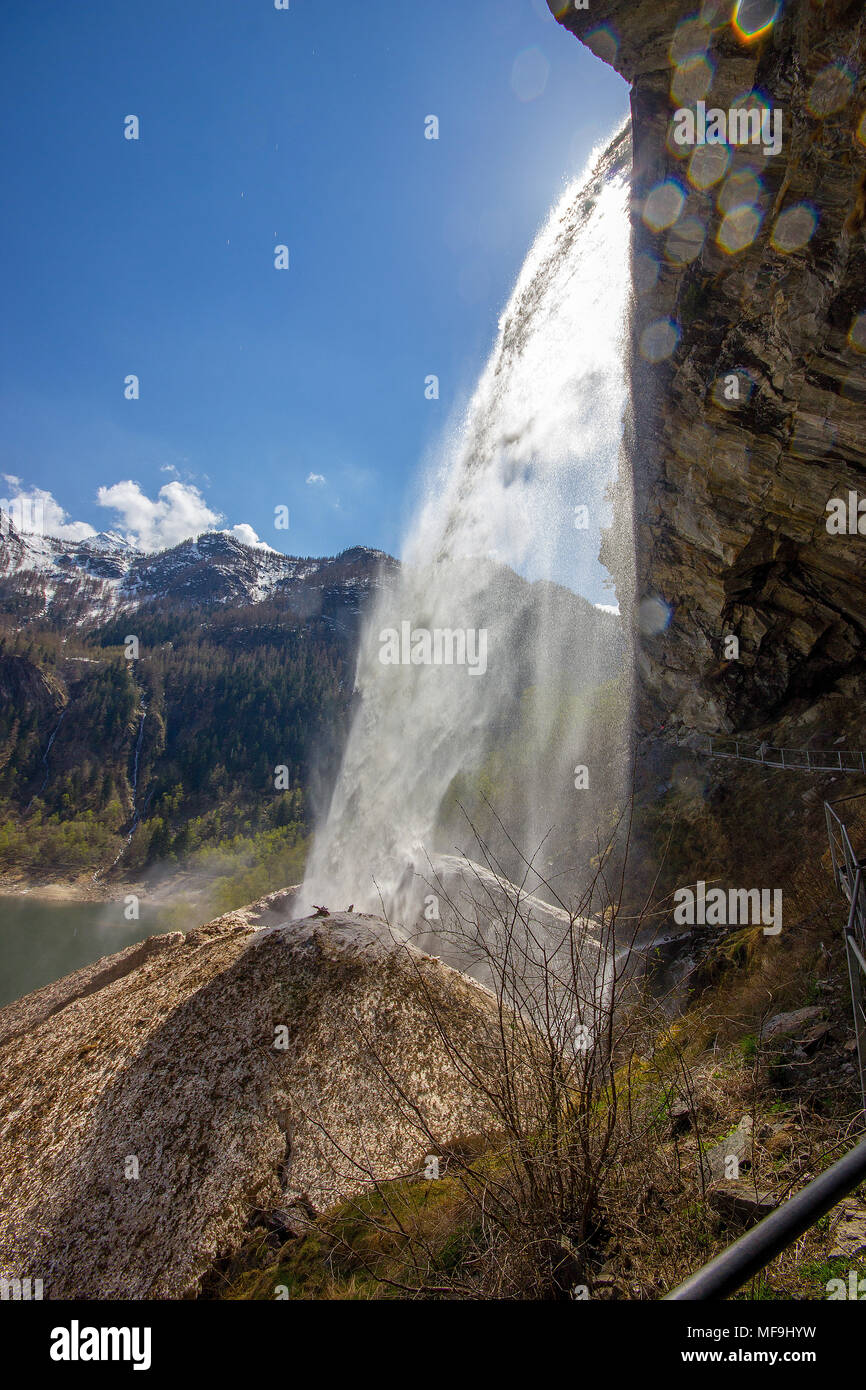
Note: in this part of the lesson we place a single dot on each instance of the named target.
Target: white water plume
(498, 548)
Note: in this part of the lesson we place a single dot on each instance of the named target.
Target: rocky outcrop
(158, 1102)
(748, 356)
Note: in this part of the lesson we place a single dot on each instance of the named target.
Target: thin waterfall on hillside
(467, 649)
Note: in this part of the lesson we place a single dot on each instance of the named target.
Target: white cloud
(315, 480)
(179, 512)
(245, 533)
(35, 510)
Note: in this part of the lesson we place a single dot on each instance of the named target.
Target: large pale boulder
(147, 1115)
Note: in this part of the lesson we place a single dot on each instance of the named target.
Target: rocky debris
(738, 1145)
(814, 1038)
(780, 1141)
(738, 1204)
(154, 1102)
(290, 1222)
(848, 1229)
(34, 1009)
(784, 1025)
(680, 1116)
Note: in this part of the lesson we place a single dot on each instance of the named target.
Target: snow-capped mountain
(91, 580)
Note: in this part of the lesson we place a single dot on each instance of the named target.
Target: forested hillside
(202, 740)
(184, 712)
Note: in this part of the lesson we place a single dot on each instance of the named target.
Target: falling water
(46, 754)
(136, 760)
(136, 811)
(498, 548)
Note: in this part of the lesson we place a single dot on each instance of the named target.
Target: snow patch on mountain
(105, 574)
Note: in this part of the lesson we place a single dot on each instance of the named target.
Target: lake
(40, 941)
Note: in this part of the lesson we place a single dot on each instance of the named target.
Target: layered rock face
(748, 356)
(147, 1115)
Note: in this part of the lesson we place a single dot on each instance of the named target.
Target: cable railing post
(830, 836)
(855, 980)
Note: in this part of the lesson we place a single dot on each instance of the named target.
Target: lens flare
(529, 74)
(692, 37)
(741, 188)
(659, 340)
(753, 100)
(739, 228)
(794, 228)
(653, 616)
(707, 165)
(663, 205)
(831, 90)
(686, 241)
(857, 333)
(603, 42)
(753, 18)
(674, 149)
(645, 273)
(692, 80)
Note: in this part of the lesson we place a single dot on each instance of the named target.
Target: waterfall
(46, 754)
(482, 643)
(138, 742)
(136, 813)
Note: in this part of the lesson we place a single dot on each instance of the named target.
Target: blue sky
(259, 127)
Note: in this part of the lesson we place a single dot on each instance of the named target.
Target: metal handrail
(791, 759)
(754, 1250)
(848, 874)
(736, 1265)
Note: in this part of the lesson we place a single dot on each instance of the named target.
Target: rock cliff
(748, 355)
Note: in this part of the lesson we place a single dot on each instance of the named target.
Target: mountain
(214, 742)
(92, 580)
(212, 734)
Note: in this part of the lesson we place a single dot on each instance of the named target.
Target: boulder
(737, 1145)
(784, 1025)
(738, 1204)
(156, 1102)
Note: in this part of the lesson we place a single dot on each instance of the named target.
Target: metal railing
(771, 755)
(850, 879)
(734, 1267)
